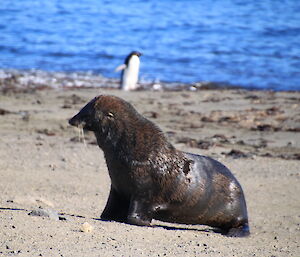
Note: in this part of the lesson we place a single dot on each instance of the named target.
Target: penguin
(130, 71)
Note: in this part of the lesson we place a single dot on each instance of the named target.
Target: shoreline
(40, 79)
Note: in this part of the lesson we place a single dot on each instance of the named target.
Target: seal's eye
(110, 114)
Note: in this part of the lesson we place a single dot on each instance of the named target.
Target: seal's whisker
(81, 134)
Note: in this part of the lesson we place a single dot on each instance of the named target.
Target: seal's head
(109, 117)
(102, 110)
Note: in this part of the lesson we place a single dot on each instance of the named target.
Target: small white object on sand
(86, 227)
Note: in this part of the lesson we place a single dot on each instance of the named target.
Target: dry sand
(46, 169)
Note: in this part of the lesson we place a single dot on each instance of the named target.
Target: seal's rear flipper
(242, 231)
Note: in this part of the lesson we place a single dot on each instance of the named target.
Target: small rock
(86, 227)
(52, 167)
(151, 114)
(236, 154)
(52, 214)
(25, 115)
(66, 106)
(202, 144)
(46, 132)
(39, 137)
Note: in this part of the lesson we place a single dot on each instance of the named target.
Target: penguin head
(133, 53)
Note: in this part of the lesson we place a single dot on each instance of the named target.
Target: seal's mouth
(76, 122)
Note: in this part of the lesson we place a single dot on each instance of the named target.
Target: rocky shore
(37, 79)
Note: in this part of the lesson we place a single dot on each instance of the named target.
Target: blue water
(255, 44)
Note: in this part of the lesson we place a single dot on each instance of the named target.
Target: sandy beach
(54, 183)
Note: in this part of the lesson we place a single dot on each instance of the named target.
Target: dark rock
(252, 97)
(207, 119)
(236, 154)
(294, 129)
(4, 112)
(220, 138)
(202, 144)
(265, 127)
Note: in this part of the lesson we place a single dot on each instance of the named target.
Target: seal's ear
(110, 115)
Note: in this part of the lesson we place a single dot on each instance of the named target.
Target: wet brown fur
(151, 179)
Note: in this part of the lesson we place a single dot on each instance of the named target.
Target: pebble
(86, 227)
(52, 214)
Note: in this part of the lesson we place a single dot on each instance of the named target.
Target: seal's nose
(74, 121)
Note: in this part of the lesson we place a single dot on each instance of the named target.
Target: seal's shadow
(207, 230)
(167, 227)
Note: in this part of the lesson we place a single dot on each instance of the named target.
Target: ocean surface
(254, 44)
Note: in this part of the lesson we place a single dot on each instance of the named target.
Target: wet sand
(48, 171)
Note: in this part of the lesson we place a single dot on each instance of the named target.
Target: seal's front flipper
(116, 208)
(139, 213)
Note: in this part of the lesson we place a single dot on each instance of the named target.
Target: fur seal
(150, 179)
(130, 71)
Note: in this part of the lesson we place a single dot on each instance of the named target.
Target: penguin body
(130, 71)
